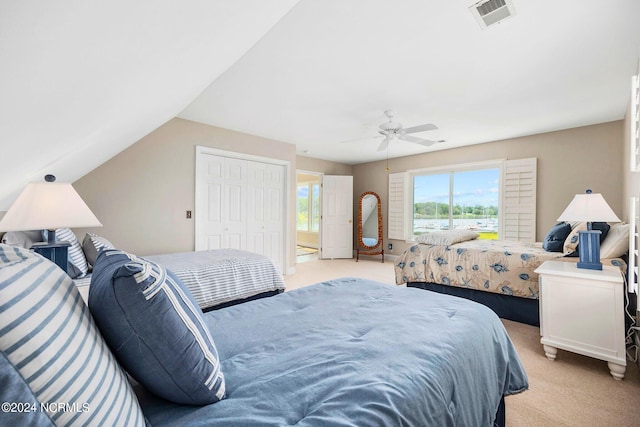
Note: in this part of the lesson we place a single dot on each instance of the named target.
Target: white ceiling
(330, 68)
(82, 80)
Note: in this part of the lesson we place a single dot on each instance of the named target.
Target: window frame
(310, 198)
(452, 169)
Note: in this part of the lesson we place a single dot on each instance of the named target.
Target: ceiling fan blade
(384, 144)
(416, 140)
(420, 128)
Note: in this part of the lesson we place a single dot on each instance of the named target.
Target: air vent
(489, 12)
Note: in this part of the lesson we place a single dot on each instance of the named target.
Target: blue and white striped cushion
(77, 264)
(91, 246)
(155, 328)
(48, 336)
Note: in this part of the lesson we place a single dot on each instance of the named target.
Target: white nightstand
(582, 311)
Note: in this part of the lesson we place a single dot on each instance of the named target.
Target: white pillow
(616, 243)
(24, 239)
(571, 242)
(448, 237)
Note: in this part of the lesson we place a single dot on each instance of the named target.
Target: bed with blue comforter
(354, 352)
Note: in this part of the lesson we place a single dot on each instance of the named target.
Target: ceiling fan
(392, 129)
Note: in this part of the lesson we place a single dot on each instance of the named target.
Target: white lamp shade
(48, 205)
(588, 207)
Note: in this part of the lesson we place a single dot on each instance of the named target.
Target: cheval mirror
(370, 226)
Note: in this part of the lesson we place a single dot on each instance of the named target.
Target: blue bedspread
(355, 352)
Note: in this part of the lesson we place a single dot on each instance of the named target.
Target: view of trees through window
(457, 200)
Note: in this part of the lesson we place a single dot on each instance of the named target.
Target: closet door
(266, 210)
(223, 213)
(241, 204)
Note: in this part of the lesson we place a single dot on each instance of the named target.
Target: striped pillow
(91, 245)
(77, 264)
(49, 340)
(155, 328)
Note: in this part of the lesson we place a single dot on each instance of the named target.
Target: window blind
(397, 206)
(519, 200)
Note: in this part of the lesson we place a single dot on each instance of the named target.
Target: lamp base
(56, 252)
(589, 249)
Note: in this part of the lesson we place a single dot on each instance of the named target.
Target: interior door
(223, 208)
(241, 203)
(337, 217)
(266, 211)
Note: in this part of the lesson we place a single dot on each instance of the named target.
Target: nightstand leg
(550, 352)
(617, 371)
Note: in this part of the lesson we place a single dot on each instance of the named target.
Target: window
(308, 208)
(463, 199)
(496, 198)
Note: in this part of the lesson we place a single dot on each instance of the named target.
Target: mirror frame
(378, 248)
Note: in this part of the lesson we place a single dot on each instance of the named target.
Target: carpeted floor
(573, 390)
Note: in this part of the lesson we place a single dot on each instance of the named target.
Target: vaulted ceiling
(82, 80)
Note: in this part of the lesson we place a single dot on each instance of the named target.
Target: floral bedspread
(500, 266)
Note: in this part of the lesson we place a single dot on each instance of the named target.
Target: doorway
(308, 203)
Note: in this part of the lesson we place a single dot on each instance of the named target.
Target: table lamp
(589, 207)
(47, 206)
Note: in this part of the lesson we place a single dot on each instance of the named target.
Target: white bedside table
(582, 311)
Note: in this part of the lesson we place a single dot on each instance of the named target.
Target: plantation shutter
(397, 206)
(519, 200)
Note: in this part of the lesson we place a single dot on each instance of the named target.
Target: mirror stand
(370, 232)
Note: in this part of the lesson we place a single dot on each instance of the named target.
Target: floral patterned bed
(500, 266)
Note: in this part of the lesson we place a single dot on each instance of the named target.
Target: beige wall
(326, 167)
(569, 161)
(141, 195)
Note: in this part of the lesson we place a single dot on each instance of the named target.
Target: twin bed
(343, 352)
(497, 273)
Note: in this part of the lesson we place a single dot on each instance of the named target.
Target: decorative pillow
(92, 244)
(617, 242)
(24, 239)
(570, 247)
(554, 240)
(448, 237)
(155, 328)
(77, 263)
(51, 351)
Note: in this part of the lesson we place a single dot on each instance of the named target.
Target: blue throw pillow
(155, 328)
(554, 240)
(52, 353)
